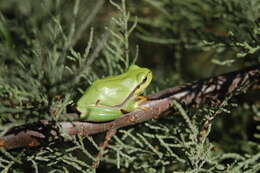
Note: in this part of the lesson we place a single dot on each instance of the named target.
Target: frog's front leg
(140, 99)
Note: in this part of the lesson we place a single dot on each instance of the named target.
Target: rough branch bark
(196, 93)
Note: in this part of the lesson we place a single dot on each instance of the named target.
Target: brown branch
(214, 89)
(196, 93)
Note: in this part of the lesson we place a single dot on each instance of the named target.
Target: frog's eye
(145, 79)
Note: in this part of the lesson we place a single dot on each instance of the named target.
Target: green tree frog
(108, 98)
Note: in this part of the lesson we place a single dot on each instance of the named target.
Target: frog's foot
(141, 99)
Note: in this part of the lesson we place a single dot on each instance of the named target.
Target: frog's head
(143, 77)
